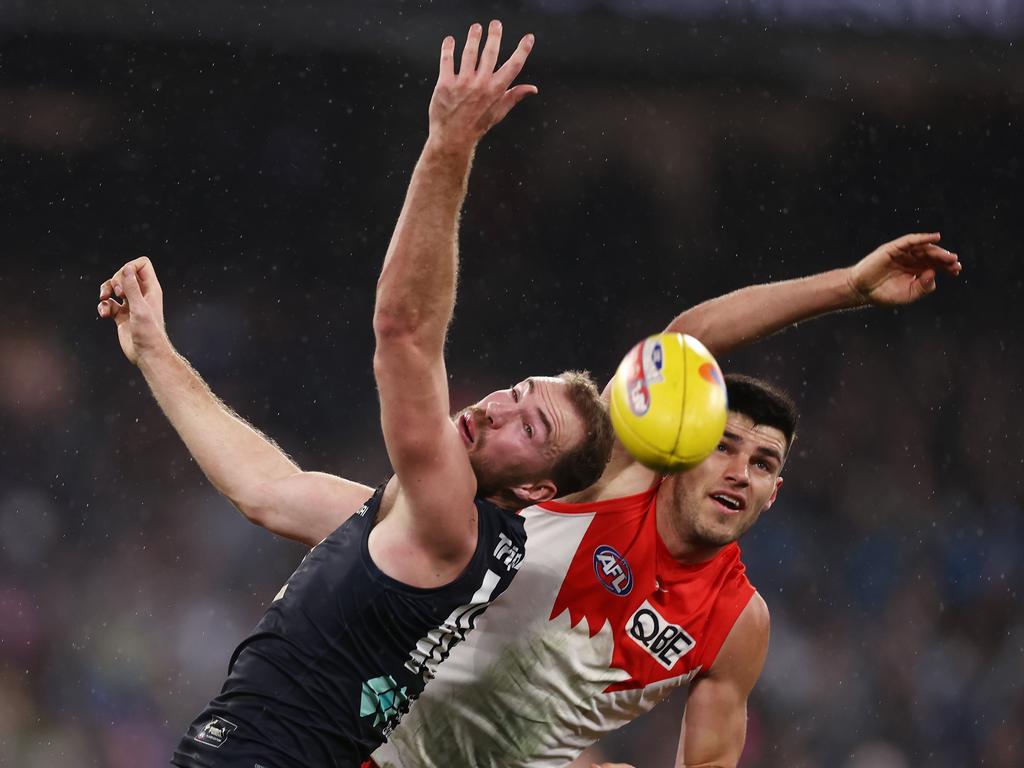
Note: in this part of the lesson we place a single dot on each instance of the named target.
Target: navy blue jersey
(344, 650)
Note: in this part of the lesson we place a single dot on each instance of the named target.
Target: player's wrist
(153, 354)
(449, 147)
(856, 294)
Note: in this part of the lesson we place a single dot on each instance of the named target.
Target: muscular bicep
(715, 721)
(306, 506)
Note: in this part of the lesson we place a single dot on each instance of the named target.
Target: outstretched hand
(140, 313)
(468, 104)
(903, 270)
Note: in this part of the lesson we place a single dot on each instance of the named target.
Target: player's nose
(496, 413)
(738, 470)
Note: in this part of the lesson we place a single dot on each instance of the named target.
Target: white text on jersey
(665, 641)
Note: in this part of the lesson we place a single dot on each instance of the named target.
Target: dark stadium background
(259, 152)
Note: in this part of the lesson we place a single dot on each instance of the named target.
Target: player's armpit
(714, 724)
(306, 506)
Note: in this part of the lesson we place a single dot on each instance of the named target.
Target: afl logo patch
(613, 571)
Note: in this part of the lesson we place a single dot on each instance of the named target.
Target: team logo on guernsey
(665, 641)
(613, 571)
(382, 698)
(215, 732)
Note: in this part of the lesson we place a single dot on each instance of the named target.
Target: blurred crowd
(264, 185)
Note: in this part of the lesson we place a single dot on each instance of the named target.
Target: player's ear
(536, 492)
(775, 493)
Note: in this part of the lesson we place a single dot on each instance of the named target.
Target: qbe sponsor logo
(665, 641)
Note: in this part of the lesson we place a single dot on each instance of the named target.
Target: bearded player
(399, 576)
(537, 687)
(634, 586)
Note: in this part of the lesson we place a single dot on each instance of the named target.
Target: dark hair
(582, 465)
(763, 403)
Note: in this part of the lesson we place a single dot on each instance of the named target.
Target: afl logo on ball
(637, 392)
(613, 571)
(653, 361)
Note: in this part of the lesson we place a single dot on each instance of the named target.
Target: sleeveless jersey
(343, 650)
(601, 624)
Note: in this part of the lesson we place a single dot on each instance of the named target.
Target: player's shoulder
(751, 630)
(742, 655)
(626, 481)
(755, 616)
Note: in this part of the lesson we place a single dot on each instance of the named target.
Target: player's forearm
(752, 313)
(416, 289)
(236, 457)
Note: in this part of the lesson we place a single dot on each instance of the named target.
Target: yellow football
(668, 402)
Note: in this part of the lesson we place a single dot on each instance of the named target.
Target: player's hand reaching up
(903, 270)
(140, 313)
(466, 105)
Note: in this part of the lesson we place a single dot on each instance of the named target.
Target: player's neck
(682, 544)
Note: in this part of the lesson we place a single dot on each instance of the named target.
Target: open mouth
(728, 502)
(467, 433)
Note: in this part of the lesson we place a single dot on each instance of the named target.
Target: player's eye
(515, 394)
(721, 447)
(529, 430)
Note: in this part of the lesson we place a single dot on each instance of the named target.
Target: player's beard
(488, 482)
(694, 522)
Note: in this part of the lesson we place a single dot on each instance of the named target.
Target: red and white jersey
(600, 625)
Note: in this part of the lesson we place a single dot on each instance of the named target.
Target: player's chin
(724, 530)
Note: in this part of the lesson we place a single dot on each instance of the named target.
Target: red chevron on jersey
(668, 620)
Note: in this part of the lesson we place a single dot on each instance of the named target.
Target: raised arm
(242, 463)
(416, 296)
(898, 272)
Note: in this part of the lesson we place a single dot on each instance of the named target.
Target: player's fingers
(918, 238)
(937, 251)
(512, 97)
(469, 53)
(116, 284)
(109, 308)
(906, 243)
(447, 67)
(146, 273)
(124, 314)
(132, 289)
(489, 57)
(926, 281)
(948, 261)
(510, 70)
(106, 290)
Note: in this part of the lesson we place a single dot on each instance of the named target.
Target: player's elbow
(400, 352)
(394, 320)
(255, 504)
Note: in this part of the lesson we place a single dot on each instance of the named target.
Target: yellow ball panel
(705, 407)
(668, 403)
